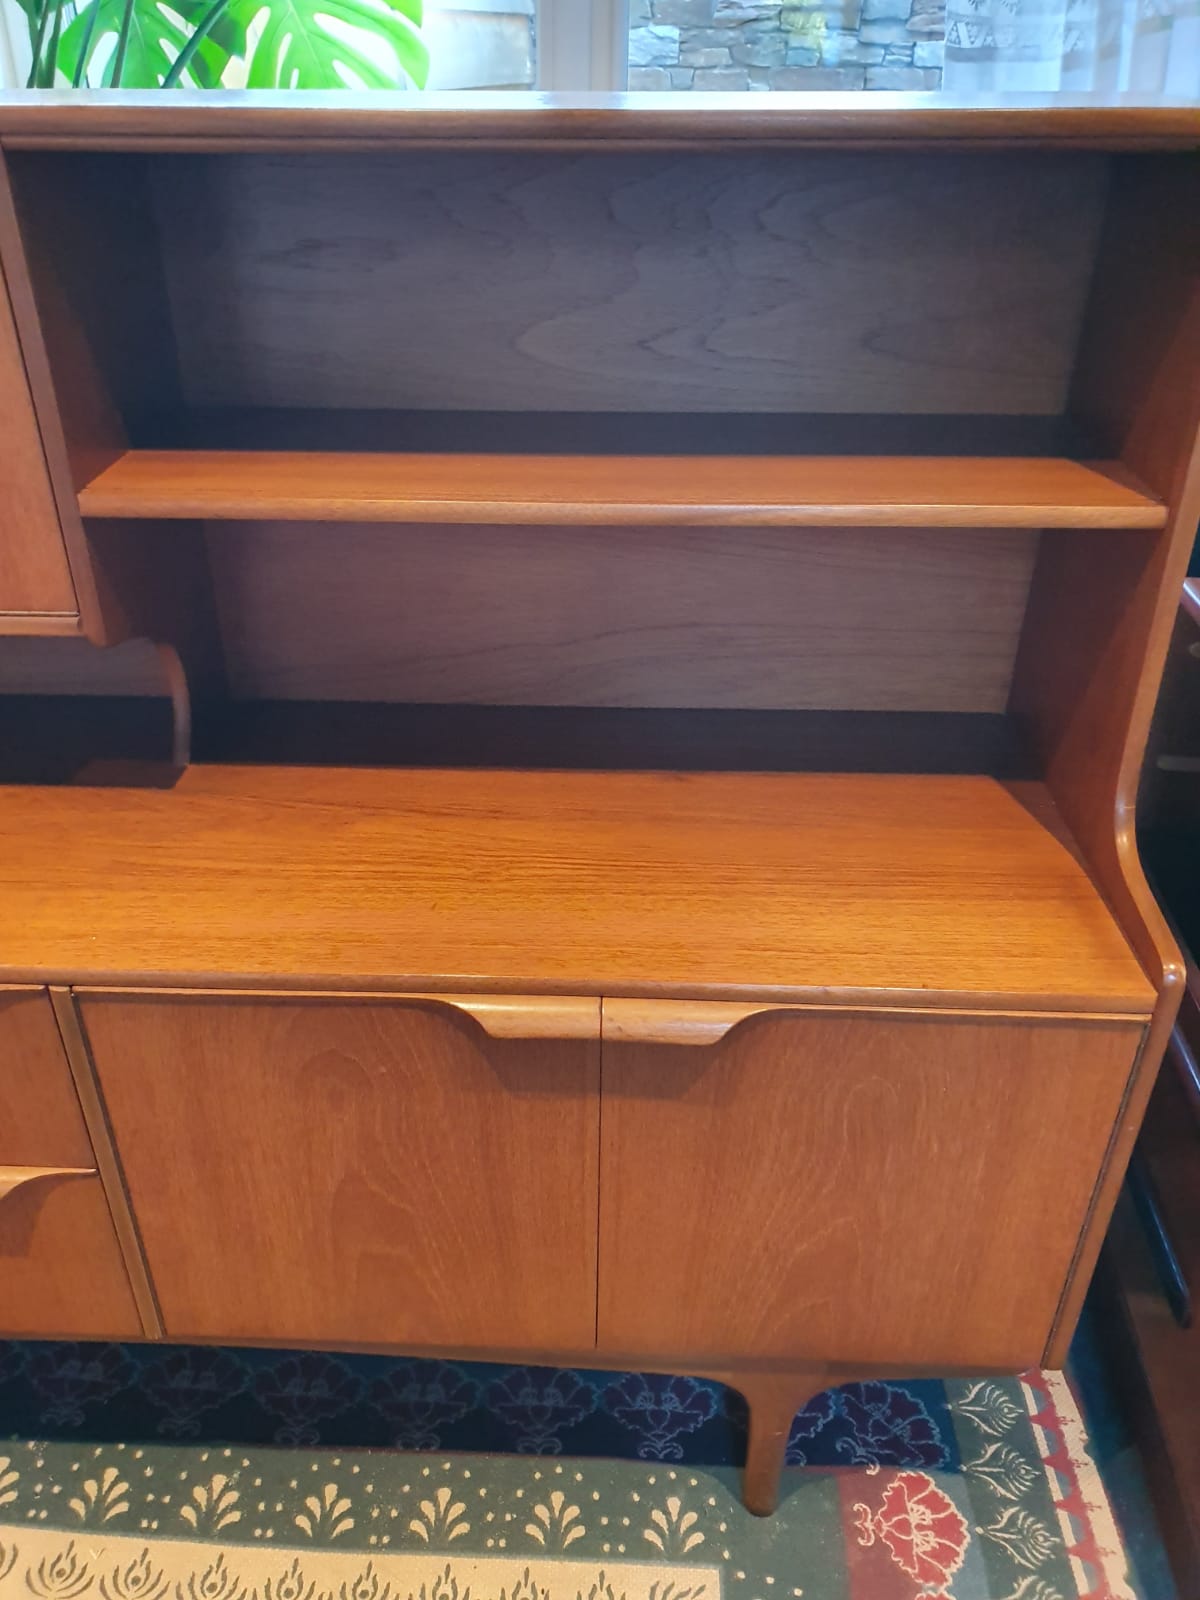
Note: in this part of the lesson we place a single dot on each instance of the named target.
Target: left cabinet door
(371, 1172)
(34, 576)
(61, 1270)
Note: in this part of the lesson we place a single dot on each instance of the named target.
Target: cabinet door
(33, 562)
(360, 1172)
(61, 1271)
(893, 1189)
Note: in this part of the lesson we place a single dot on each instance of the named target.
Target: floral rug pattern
(967, 1490)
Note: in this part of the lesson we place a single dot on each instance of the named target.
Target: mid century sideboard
(574, 679)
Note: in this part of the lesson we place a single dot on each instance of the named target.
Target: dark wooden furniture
(659, 611)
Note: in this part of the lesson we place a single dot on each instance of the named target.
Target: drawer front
(61, 1271)
(366, 1172)
(898, 1190)
(40, 1121)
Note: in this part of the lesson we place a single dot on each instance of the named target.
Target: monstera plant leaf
(150, 36)
(324, 44)
(301, 44)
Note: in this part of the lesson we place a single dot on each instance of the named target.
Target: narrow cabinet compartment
(61, 1271)
(408, 1172)
(900, 1191)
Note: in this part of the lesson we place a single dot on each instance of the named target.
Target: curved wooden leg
(774, 1400)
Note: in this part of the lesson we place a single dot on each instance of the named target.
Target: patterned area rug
(972, 1490)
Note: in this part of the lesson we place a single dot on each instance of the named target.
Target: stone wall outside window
(786, 44)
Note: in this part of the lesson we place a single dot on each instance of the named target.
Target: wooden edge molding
(40, 624)
(122, 988)
(107, 1165)
(704, 1022)
(404, 986)
(535, 120)
(501, 1016)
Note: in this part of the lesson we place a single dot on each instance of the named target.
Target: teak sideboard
(574, 675)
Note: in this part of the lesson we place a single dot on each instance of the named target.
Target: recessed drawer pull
(695, 1022)
(14, 1178)
(526, 1017)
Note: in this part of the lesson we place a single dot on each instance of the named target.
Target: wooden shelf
(667, 490)
(912, 889)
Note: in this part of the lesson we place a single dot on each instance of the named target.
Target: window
(1147, 48)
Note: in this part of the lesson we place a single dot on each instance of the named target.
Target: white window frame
(583, 44)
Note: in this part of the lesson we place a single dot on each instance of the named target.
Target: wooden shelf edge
(656, 491)
(1074, 1009)
(40, 624)
(138, 121)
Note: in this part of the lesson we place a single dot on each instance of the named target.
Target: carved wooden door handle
(547, 1016)
(14, 1178)
(695, 1022)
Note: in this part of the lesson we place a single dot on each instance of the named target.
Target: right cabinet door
(896, 1189)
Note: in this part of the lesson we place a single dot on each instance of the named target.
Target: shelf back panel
(845, 619)
(756, 282)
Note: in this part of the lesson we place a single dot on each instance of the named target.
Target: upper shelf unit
(798, 337)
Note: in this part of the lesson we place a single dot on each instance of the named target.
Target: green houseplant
(284, 44)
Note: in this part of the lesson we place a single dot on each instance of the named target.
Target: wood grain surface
(357, 1171)
(40, 1122)
(130, 119)
(852, 1187)
(725, 884)
(34, 576)
(632, 617)
(125, 1228)
(61, 1273)
(751, 282)
(729, 491)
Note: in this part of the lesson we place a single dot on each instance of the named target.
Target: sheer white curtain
(14, 46)
(1149, 48)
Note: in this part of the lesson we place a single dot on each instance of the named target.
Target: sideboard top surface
(227, 119)
(907, 889)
